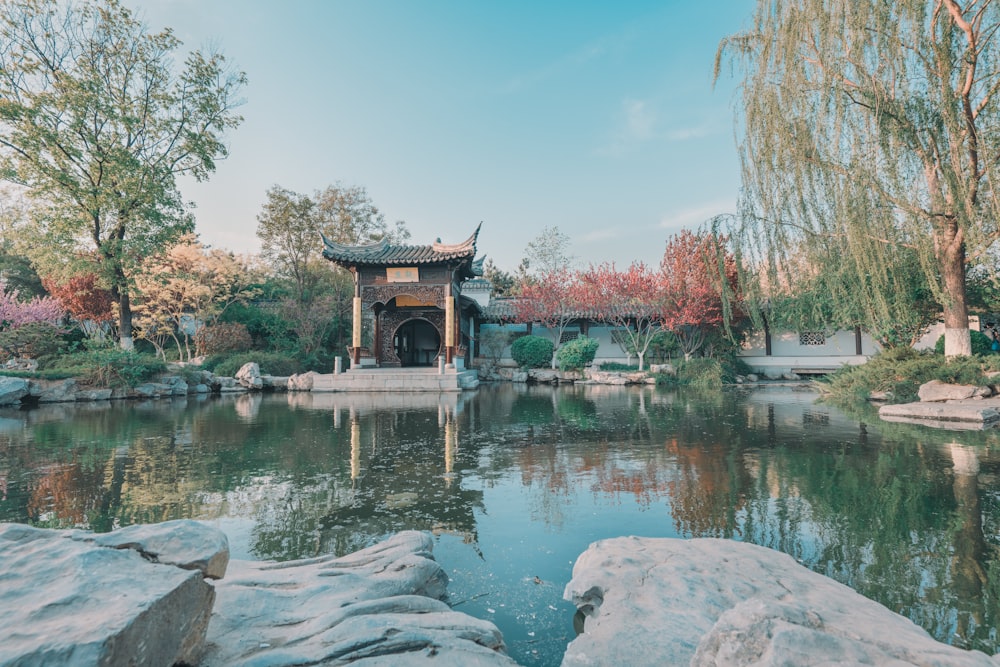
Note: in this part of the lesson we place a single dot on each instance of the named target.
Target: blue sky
(596, 117)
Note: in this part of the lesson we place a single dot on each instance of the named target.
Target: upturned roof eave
(382, 253)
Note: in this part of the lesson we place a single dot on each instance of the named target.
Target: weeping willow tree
(870, 143)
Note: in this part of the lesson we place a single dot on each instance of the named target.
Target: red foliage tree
(85, 300)
(553, 300)
(631, 301)
(696, 271)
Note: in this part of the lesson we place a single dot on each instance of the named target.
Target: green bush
(700, 372)
(616, 366)
(34, 340)
(577, 353)
(900, 372)
(271, 363)
(532, 352)
(980, 343)
(109, 367)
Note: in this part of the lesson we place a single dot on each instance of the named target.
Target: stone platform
(397, 379)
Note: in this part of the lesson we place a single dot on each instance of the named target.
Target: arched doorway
(417, 342)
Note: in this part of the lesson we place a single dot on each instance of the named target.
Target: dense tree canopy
(868, 127)
(97, 125)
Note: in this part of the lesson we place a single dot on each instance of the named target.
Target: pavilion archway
(410, 340)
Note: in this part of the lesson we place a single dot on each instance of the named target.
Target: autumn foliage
(83, 297)
(696, 273)
(685, 297)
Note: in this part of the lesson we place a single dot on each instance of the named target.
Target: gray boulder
(378, 606)
(302, 381)
(53, 391)
(649, 601)
(93, 394)
(65, 600)
(249, 376)
(12, 390)
(152, 390)
(936, 391)
(186, 544)
(274, 382)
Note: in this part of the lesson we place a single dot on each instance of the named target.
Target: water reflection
(517, 481)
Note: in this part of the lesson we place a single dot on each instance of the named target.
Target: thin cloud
(690, 218)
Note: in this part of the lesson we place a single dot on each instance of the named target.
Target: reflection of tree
(969, 574)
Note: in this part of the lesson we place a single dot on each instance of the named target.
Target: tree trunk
(642, 355)
(951, 257)
(124, 318)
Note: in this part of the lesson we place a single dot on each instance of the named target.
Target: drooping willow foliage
(870, 140)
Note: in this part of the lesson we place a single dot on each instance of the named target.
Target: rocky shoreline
(167, 594)
(189, 379)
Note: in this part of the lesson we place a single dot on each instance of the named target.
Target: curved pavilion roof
(383, 253)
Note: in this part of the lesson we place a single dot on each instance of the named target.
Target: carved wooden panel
(372, 294)
(391, 320)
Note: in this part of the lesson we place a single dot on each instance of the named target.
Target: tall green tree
(876, 124)
(97, 123)
(290, 223)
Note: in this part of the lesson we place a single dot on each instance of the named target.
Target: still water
(515, 482)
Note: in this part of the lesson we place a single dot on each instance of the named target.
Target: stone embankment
(497, 373)
(142, 596)
(14, 390)
(948, 406)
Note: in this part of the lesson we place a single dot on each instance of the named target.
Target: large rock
(186, 544)
(649, 601)
(12, 390)
(935, 391)
(249, 376)
(53, 391)
(66, 600)
(378, 606)
(302, 381)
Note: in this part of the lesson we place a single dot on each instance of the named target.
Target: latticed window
(812, 338)
(567, 336)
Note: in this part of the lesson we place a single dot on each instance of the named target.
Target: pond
(516, 481)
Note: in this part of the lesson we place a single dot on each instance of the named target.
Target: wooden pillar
(767, 339)
(356, 323)
(356, 337)
(857, 341)
(449, 329)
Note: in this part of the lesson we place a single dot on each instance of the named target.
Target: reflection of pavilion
(414, 488)
(408, 304)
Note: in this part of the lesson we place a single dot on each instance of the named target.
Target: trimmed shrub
(980, 343)
(616, 366)
(577, 353)
(532, 352)
(222, 338)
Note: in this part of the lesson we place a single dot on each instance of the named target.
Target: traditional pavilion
(408, 303)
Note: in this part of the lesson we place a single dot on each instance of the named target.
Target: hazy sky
(596, 117)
